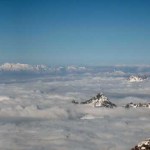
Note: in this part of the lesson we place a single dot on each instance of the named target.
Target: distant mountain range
(18, 67)
(11, 67)
(112, 70)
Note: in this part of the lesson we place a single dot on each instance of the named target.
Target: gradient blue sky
(87, 32)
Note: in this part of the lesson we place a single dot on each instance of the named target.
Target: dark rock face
(98, 101)
(144, 145)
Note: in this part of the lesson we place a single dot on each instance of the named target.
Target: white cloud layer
(37, 113)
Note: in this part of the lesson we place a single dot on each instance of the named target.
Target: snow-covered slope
(144, 145)
(99, 100)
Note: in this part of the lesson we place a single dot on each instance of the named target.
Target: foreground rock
(144, 145)
(136, 105)
(99, 100)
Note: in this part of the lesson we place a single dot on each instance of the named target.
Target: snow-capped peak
(136, 78)
(102, 101)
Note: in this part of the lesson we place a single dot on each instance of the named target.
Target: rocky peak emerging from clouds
(100, 100)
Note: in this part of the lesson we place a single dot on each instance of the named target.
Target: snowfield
(37, 113)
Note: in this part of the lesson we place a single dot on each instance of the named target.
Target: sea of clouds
(36, 112)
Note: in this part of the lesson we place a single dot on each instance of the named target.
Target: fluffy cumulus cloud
(37, 113)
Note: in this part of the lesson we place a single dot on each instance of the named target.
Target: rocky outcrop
(136, 105)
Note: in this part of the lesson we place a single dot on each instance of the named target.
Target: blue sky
(79, 32)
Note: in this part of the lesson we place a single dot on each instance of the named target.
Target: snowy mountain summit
(136, 78)
(99, 100)
(144, 145)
